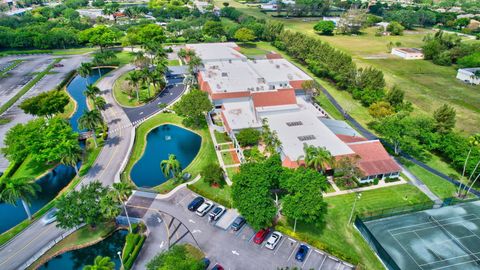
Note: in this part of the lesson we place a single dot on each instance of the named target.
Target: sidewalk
(381, 184)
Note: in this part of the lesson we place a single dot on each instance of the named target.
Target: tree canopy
(46, 104)
(177, 257)
(100, 35)
(245, 35)
(324, 27)
(193, 106)
(248, 137)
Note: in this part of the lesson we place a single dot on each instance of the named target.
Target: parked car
(260, 236)
(273, 240)
(206, 262)
(238, 223)
(301, 253)
(58, 65)
(217, 212)
(195, 203)
(217, 267)
(204, 208)
(50, 217)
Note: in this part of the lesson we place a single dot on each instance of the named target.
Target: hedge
(133, 245)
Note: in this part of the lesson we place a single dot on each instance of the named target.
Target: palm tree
(140, 60)
(71, 158)
(171, 166)
(123, 191)
(100, 103)
(194, 62)
(23, 189)
(146, 78)
(101, 263)
(474, 141)
(90, 120)
(317, 158)
(84, 71)
(134, 79)
(92, 91)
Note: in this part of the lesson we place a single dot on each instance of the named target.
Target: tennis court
(444, 238)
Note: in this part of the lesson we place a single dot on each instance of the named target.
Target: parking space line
(306, 259)
(338, 266)
(184, 198)
(318, 251)
(293, 240)
(240, 231)
(324, 258)
(253, 235)
(293, 250)
(279, 246)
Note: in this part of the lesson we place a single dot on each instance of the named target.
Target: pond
(77, 259)
(161, 142)
(76, 88)
(53, 182)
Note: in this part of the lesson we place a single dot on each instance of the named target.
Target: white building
(408, 53)
(469, 75)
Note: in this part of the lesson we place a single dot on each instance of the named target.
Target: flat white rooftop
(251, 75)
(240, 115)
(216, 51)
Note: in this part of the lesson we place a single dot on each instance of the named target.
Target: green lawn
(124, 58)
(232, 171)
(221, 137)
(91, 155)
(5, 120)
(251, 50)
(206, 155)
(124, 99)
(228, 158)
(74, 51)
(83, 236)
(221, 195)
(32, 169)
(12, 65)
(342, 239)
(174, 62)
(325, 103)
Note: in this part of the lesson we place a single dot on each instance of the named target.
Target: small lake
(76, 88)
(77, 259)
(53, 182)
(161, 142)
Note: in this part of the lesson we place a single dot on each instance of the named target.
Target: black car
(238, 223)
(193, 205)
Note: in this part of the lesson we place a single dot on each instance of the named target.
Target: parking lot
(236, 249)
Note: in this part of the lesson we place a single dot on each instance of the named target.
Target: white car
(50, 217)
(273, 240)
(204, 208)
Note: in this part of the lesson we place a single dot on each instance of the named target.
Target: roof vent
(294, 124)
(306, 138)
(224, 74)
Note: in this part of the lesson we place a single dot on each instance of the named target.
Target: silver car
(50, 217)
(273, 240)
(204, 208)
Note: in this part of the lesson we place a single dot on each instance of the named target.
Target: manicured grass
(232, 171)
(174, 62)
(194, 252)
(32, 169)
(206, 155)
(221, 137)
(251, 49)
(74, 51)
(323, 101)
(226, 146)
(442, 188)
(123, 98)
(4, 121)
(91, 155)
(342, 239)
(221, 195)
(80, 238)
(14, 63)
(228, 158)
(27, 87)
(124, 58)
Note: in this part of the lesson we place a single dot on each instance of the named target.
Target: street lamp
(359, 195)
(120, 257)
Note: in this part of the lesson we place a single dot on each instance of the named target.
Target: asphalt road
(48, 82)
(233, 250)
(37, 236)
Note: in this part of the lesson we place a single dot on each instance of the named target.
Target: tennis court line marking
(436, 226)
(426, 245)
(408, 253)
(442, 267)
(418, 224)
(451, 258)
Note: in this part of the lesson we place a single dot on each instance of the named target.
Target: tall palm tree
(194, 62)
(90, 120)
(72, 157)
(140, 60)
(474, 141)
(171, 166)
(123, 190)
(84, 71)
(101, 263)
(146, 78)
(23, 189)
(100, 103)
(134, 79)
(317, 158)
(92, 91)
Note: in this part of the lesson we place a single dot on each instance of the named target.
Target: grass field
(342, 239)
(174, 62)
(221, 195)
(123, 98)
(206, 155)
(32, 169)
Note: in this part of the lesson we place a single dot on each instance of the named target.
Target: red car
(261, 235)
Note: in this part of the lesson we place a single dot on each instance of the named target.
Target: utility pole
(357, 197)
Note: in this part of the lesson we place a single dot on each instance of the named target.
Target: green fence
(373, 242)
(394, 211)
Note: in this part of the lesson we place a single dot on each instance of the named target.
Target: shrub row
(133, 244)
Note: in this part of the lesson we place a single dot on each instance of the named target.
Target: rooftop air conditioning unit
(277, 66)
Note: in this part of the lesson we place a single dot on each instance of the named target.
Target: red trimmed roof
(274, 98)
(350, 139)
(273, 55)
(374, 159)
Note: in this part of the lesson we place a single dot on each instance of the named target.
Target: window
(306, 138)
(294, 124)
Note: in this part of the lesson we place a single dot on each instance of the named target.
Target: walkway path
(381, 184)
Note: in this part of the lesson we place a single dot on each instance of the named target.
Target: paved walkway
(381, 184)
